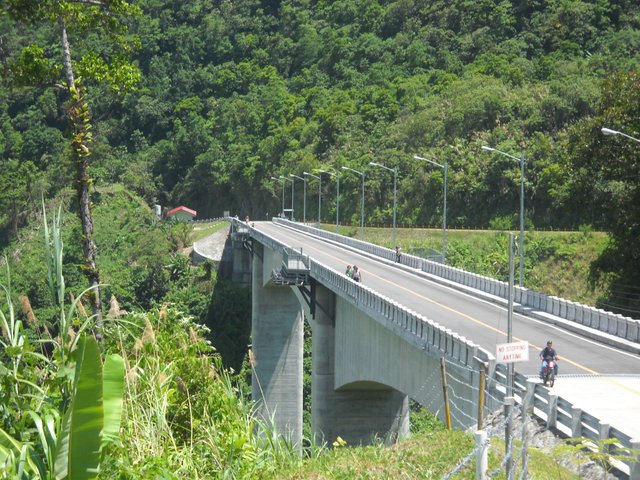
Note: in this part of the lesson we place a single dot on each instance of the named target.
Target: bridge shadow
(229, 318)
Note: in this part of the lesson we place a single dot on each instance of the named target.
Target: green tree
(15, 190)
(606, 178)
(41, 66)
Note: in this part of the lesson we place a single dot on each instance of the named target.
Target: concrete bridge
(376, 344)
(369, 354)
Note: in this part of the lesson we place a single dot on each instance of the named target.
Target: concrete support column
(358, 412)
(241, 261)
(277, 346)
(323, 393)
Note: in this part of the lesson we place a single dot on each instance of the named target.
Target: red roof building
(181, 213)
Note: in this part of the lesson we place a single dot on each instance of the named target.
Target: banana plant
(73, 444)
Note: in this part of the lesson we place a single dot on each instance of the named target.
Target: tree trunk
(78, 112)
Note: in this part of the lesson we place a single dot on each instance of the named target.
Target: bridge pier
(360, 412)
(277, 348)
(241, 259)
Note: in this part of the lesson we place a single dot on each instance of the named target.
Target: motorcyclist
(546, 355)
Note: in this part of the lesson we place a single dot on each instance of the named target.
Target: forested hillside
(232, 94)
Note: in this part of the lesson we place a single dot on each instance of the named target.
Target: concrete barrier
(549, 304)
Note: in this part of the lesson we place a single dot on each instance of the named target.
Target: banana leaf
(78, 448)
(112, 395)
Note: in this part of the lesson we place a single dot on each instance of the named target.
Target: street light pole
(290, 180)
(304, 197)
(521, 160)
(337, 175)
(338, 202)
(445, 168)
(608, 131)
(395, 183)
(319, 178)
(282, 212)
(510, 372)
(362, 207)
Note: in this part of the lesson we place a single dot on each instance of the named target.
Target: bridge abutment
(277, 352)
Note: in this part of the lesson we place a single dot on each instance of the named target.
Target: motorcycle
(548, 373)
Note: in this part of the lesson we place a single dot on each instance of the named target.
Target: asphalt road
(482, 322)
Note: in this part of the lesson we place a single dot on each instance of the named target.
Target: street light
(362, 207)
(337, 175)
(282, 213)
(395, 183)
(608, 131)
(319, 192)
(521, 160)
(304, 197)
(445, 167)
(287, 179)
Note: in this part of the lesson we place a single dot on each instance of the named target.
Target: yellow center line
(532, 346)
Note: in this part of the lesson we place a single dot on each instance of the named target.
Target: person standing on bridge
(547, 354)
(349, 272)
(397, 254)
(356, 274)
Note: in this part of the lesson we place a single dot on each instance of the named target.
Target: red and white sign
(512, 352)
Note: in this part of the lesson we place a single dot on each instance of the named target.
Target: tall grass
(184, 415)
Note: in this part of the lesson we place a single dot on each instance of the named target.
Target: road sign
(512, 352)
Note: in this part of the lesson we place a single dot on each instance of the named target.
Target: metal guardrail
(209, 220)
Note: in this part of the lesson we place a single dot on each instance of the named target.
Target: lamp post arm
(608, 131)
(430, 161)
(630, 137)
(381, 166)
(352, 170)
(491, 149)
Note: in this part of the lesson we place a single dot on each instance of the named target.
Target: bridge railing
(558, 413)
(541, 305)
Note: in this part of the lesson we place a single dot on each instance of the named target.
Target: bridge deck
(615, 398)
(612, 399)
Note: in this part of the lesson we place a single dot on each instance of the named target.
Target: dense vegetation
(232, 94)
(203, 103)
